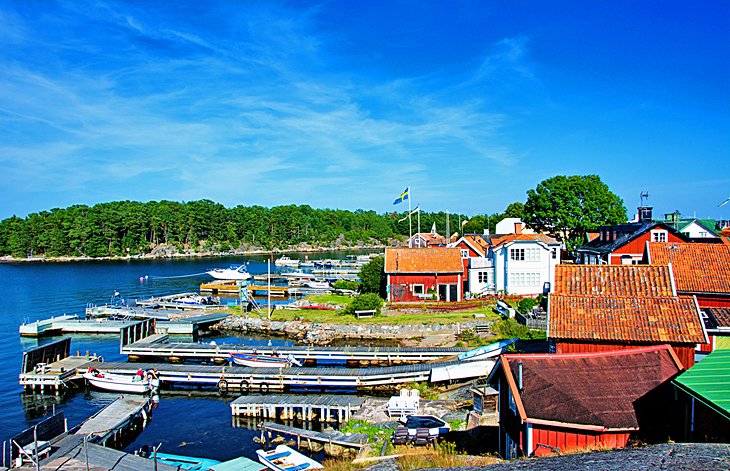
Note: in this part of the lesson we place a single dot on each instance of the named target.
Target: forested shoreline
(129, 228)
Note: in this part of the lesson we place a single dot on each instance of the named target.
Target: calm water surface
(187, 423)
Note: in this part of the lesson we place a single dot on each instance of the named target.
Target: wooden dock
(111, 420)
(356, 440)
(51, 366)
(328, 408)
(219, 286)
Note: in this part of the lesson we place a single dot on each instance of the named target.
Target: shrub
(345, 284)
(364, 302)
(526, 305)
(510, 328)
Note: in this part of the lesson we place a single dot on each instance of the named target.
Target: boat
(122, 383)
(256, 360)
(193, 463)
(285, 261)
(487, 351)
(234, 272)
(197, 300)
(317, 284)
(284, 458)
(433, 424)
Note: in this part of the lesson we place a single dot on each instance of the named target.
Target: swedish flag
(403, 196)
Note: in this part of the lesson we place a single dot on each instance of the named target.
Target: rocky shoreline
(166, 252)
(324, 334)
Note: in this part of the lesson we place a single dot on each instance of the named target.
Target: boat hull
(118, 383)
(259, 361)
(283, 458)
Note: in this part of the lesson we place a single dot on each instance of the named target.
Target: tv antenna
(644, 195)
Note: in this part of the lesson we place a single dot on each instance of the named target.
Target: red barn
(420, 274)
(582, 401)
(597, 308)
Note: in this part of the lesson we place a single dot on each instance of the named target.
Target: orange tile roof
(476, 242)
(643, 319)
(697, 267)
(507, 238)
(427, 260)
(613, 280)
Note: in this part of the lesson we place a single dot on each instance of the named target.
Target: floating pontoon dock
(356, 440)
(327, 408)
(51, 366)
(118, 415)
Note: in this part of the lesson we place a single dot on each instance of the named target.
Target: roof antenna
(644, 195)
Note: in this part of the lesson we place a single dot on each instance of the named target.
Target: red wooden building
(422, 274)
(701, 270)
(623, 244)
(597, 308)
(577, 402)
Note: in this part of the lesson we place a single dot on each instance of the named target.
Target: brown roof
(590, 389)
(625, 319)
(721, 315)
(507, 238)
(697, 267)
(613, 280)
(477, 243)
(427, 260)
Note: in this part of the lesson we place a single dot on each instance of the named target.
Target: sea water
(184, 422)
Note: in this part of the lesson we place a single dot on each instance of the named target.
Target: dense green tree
(569, 206)
(515, 210)
(372, 278)
(364, 302)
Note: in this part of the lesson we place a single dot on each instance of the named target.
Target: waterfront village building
(598, 308)
(554, 404)
(624, 243)
(704, 396)
(513, 263)
(419, 274)
(696, 229)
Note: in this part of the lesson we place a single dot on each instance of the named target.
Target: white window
(532, 255)
(524, 279)
(482, 276)
(511, 399)
(464, 253)
(658, 236)
(517, 254)
(417, 289)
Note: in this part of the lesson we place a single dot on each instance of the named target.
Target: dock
(110, 421)
(171, 302)
(51, 366)
(356, 440)
(138, 346)
(327, 408)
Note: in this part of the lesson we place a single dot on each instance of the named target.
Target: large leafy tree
(570, 206)
(372, 279)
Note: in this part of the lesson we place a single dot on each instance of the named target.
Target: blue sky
(341, 104)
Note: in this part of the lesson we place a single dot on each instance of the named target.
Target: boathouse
(423, 274)
(598, 308)
(554, 404)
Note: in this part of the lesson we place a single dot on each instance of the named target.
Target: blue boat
(487, 351)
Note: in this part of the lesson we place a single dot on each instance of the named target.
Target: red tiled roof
(427, 260)
(477, 243)
(697, 267)
(590, 389)
(507, 238)
(624, 319)
(613, 280)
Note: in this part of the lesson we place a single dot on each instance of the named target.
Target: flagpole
(418, 208)
(410, 226)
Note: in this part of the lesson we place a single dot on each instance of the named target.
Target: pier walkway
(325, 408)
(355, 440)
(118, 415)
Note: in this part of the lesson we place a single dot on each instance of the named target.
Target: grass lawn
(392, 316)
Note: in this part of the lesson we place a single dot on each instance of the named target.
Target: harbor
(324, 408)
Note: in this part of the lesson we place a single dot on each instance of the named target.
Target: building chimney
(645, 213)
(486, 231)
(518, 227)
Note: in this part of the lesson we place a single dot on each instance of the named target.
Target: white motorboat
(138, 384)
(434, 425)
(234, 272)
(256, 360)
(285, 261)
(317, 284)
(284, 458)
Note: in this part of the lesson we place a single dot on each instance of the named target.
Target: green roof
(709, 382)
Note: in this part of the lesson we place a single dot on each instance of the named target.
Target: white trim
(390, 288)
(528, 433)
(671, 279)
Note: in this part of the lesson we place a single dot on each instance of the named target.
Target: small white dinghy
(122, 383)
(256, 360)
(283, 458)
